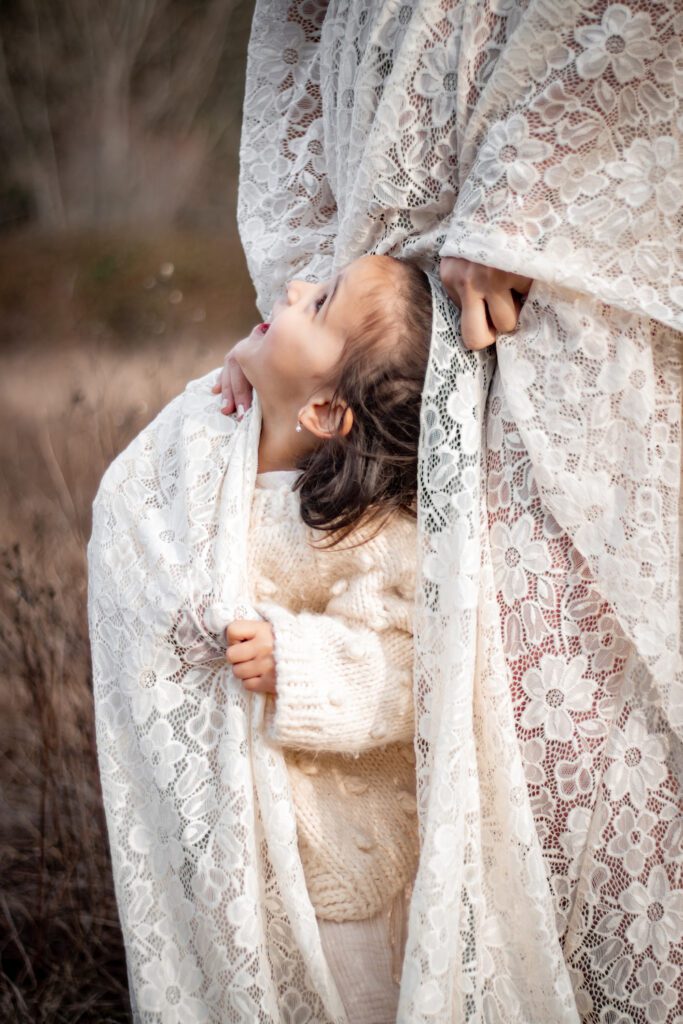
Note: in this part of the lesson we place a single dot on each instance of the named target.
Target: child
(331, 557)
(339, 373)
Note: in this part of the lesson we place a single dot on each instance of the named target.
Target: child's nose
(294, 290)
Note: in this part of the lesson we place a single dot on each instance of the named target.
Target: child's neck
(280, 445)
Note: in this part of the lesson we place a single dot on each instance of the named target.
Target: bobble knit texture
(342, 620)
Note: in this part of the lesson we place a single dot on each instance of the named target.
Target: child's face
(290, 358)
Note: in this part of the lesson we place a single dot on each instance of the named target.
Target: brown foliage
(65, 411)
(124, 288)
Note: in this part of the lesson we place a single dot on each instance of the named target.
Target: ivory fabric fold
(541, 137)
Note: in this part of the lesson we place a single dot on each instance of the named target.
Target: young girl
(339, 373)
(330, 572)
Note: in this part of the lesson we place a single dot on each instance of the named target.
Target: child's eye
(319, 303)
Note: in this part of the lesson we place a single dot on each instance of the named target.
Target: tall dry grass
(64, 414)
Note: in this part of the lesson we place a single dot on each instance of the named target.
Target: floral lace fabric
(214, 910)
(544, 138)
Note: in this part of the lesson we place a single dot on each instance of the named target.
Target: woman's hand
(234, 388)
(250, 652)
(490, 299)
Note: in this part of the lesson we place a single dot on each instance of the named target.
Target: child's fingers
(240, 389)
(227, 397)
(241, 629)
(252, 667)
(255, 685)
(245, 669)
(259, 684)
(240, 652)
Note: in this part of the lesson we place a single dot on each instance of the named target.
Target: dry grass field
(96, 335)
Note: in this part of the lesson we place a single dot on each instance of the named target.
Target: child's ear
(325, 419)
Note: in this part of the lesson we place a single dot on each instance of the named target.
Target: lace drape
(214, 909)
(543, 138)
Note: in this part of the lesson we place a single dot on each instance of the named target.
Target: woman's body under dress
(535, 138)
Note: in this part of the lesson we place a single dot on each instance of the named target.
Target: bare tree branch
(53, 177)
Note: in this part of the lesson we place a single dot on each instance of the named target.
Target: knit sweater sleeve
(344, 677)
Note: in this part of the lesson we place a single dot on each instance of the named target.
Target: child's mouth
(263, 328)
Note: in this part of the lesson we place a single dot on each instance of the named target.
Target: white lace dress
(543, 137)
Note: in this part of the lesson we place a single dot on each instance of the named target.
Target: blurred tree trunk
(110, 109)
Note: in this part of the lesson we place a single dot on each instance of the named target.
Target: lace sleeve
(287, 210)
(571, 162)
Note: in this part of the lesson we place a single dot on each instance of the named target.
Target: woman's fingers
(260, 682)
(236, 391)
(503, 311)
(488, 298)
(466, 284)
(520, 284)
(475, 329)
(455, 276)
(223, 387)
(247, 670)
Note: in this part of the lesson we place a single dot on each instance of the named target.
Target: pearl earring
(298, 427)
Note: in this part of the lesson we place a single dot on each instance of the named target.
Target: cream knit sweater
(342, 621)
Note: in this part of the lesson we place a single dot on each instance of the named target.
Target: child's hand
(250, 652)
(233, 386)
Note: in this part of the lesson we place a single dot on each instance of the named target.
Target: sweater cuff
(296, 717)
(310, 711)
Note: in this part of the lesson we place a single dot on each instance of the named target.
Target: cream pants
(365, 960)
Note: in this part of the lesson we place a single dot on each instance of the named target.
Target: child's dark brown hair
(370, 474)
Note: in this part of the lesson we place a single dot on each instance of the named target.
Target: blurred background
(121, 277)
